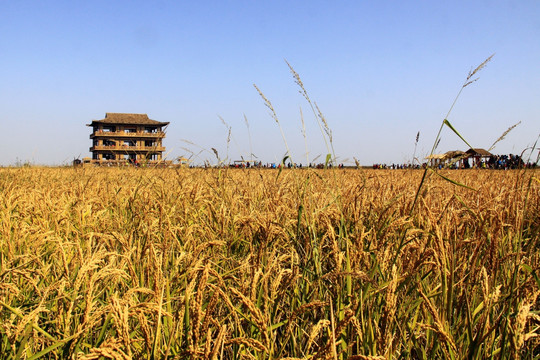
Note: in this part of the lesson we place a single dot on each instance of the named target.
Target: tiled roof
(125, 118)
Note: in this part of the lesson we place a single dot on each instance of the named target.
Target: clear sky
(380, 71)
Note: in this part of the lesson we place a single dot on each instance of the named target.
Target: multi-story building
(130, 137)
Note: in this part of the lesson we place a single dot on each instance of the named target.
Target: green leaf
(299, 220)
(51, 348)
(106, 326)
(282, 166)
(531, 271)
(278, 325)
(34, 326)
(327, 161)
(447, 123)
(22, 343)
(453, 181)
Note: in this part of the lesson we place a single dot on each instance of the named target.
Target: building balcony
(122, 134)
(126, 148)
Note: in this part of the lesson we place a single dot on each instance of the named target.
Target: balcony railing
(127, 148)
(157, 134)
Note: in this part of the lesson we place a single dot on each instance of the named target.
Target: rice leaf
(447, 123)
(51, 348)
(453, 181)
(282, 165)
(327, 161)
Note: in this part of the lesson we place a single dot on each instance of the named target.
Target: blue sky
(380, 71)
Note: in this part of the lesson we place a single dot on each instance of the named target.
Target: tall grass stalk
(468, 81)
(249, 136)
(304, 135)
(276, 119)
(321, 120)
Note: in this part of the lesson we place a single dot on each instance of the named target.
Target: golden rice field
(256, 264)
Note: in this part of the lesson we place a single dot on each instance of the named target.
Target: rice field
(126, 263)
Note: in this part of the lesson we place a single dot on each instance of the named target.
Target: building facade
(127, 137)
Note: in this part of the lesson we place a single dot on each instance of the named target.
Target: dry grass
(246, 264)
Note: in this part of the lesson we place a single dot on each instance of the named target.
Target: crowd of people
(499, 162)
(289, 165)
(506, 162)
(397, 166)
